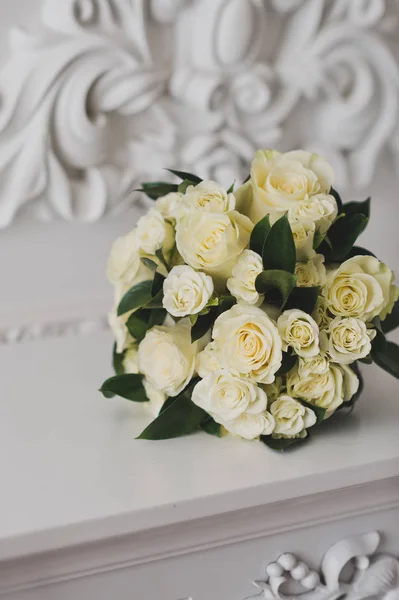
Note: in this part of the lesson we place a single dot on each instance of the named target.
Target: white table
(88, 511)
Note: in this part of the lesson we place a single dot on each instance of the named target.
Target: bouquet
(247, 312)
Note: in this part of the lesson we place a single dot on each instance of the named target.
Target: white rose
(350, 382)
(299, 330)
(247, 341)
(280, 181)
(347, 339)
(124, 259)
(250, 427)
(327, 390)
(322, 209)
(291, 417)
(207, 361)
(207, 196)
(360, 287)
(117, 324)
(186, 292)
(312, 272)
(156, 398)
(131, 360)
(237, 404)
(153, 232)
(168, 204)
(321, 313)
(242, 283)
(318, 365)
(303, 234)
(211, 242)
(167, 357)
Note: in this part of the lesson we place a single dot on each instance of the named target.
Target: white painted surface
(71, 470)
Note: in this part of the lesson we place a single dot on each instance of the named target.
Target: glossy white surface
(71, 470)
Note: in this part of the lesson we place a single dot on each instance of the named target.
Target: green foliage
(156, 189)
(303, 298)
(276, 280)
(193, 179)
(357, 208)
(259, 235)
(288, 362)
(143, 319)
(129, 386)
(205, 322)
(182, 187)
(136, 297)
(388, 359)
(211, 427)
(181, 417)
(117, 361)
(338, 199)
(391, 321)
(342, 235)
(279, 251)
(318, 411)
(281, 444)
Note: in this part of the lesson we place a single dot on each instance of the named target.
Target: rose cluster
(247, 312)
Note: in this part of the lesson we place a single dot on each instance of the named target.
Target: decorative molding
(79, 559)
(369, 576)
(53, 329)
(107, 92)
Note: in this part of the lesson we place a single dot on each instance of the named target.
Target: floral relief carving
(350, 570)
(105, 91)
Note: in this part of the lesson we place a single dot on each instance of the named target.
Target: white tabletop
(71, 470)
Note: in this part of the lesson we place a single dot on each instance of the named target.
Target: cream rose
(242, 283)
(299, 331)
(167, 357)
(321, 313)
(312, 272)
(168, 204)
(124, 259)
(291, 417)
(207, 361)
(212, 242)
(274, 390)
(347, 339)
(237, 404)
(186, 292)
(246, 340)
(360, 287)
(303, 234)
(318, 365)
(207, 196)
(153, 232)
(327, 390)
(280, 181)
(321, 209)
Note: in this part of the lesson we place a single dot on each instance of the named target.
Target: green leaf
(357, 208)
(338, 199)
(182, 188)
(150, 264)
(156, 189)
(303, 298)
(247, 178)
(155, 301)
(161, 258)
(231, 188)
(180, 418)
(288, 362)
(184, 175)
(342, 235)
(318, 410)
(388, 359)
(279, 248)
(275, 279)
(206, 321)
(143, 319)
(280, 444)
(210, 426)
(391, 321)
(318, 238)
(379, 343)
(117, 361)
(169, 400)
(136, 297)
(129, 386)
(157, 284)
(358, 251)
(259, 235)
(367, 360)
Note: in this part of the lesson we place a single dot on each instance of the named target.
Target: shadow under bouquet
(247, 312)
